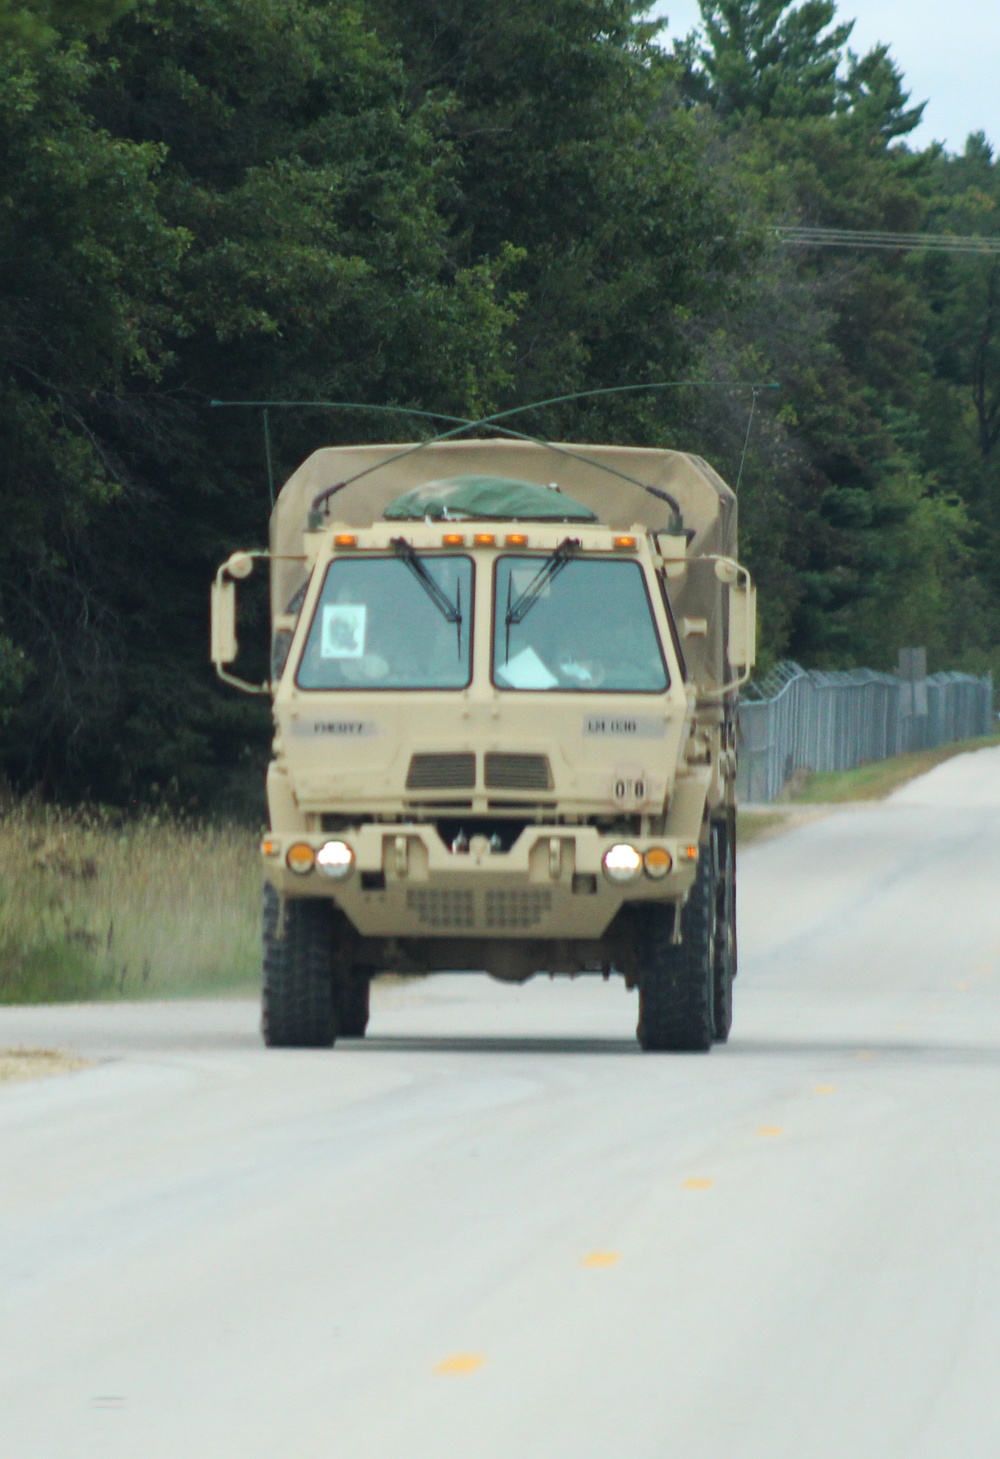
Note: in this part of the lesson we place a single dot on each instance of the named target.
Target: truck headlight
(335, 859)
(622, 863)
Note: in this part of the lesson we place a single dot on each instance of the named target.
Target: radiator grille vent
(441, 908)
(518, 772)
(517, 908)
(442, 772)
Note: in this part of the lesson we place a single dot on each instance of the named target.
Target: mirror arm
(243, 684)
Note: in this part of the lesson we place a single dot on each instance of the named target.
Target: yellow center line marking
(902, 1028)
(697, 1183)
(601, 1258)
(825, 1089)
(865, 1054)
(962, 987)
(934, 1007)
(459, 1364)
(770, 1130)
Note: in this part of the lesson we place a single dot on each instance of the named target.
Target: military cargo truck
(504, 688)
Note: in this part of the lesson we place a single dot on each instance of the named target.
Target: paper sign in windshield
(343, 633)
(525, 671)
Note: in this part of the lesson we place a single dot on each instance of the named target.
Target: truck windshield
(591, 627)
(377, 626)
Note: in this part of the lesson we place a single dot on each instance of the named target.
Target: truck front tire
(299, 1009)
(353, 987)
(725, 934)
(677, 980)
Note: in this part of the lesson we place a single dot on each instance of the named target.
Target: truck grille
(517, 908)
(518, 772)
(441, 907)
(442, 772)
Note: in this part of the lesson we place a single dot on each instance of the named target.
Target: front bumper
(405, 882)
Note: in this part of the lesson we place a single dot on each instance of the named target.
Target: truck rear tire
(677, 980)
(353, 988)
(298, 1008)
(725, 935)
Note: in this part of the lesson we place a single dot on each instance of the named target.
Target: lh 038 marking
(627, 726)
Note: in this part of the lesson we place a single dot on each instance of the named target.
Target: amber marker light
(453, 539)
(690, 853)
(270, 848)
(516, 539)
(300, 858)
(623, 544)
(657, 862)
(345, 539)
(484, 539)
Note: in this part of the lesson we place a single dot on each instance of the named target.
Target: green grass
(879, 778)
(758, 826)
(147, 909)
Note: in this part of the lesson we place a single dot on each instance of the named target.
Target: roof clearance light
(622, 863)
(623, 544)
(335, 859)
(658, 862)
(516, 539)
(345, 539)
(453, 539)
(484, 539)
(300, 858)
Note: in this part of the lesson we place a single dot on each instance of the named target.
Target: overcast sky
(949, 55)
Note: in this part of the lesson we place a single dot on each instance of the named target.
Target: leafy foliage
(459, 208)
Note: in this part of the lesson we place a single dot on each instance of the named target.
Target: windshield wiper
(550, 568)
(450, 612)
(522, 605)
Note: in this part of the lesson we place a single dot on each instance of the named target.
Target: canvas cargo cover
(592, 475)
(466, 498)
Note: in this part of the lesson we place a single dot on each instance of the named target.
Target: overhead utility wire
(908, 242)
(493, 421)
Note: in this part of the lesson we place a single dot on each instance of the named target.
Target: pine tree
(766, 58)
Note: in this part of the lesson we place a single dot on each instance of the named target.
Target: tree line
(433, 205)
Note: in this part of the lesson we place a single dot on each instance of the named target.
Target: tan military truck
(504, 687)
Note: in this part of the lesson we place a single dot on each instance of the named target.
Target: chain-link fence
(798, 719)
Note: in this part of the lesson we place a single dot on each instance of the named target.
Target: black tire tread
(298, 1008)
(675, 980)
(725, 938)
(353, 988)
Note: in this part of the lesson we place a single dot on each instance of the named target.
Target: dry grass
(90, 908)
(17, 1064)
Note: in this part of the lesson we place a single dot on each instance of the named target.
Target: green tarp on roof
(464, 498)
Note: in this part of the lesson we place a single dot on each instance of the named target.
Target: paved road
(497, 1231)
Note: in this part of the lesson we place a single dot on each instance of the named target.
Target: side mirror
(742, 646)
(225, 646)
